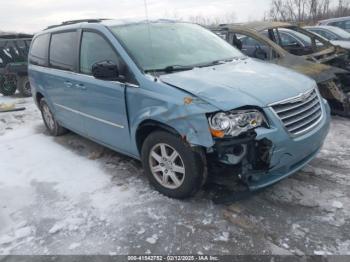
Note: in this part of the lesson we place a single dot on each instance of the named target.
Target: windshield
(160, 45)
(340, 32)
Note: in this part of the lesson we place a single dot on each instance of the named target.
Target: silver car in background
(341, 22)
(335, 35)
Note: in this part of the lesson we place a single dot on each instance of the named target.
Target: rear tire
(54, 128)
(171, 165)
(7, 86)
(23, 86)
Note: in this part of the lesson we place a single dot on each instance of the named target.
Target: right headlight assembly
(235, 122)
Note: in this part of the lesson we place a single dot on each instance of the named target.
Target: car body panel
(290, 155)
(341, 43)
(237, 81)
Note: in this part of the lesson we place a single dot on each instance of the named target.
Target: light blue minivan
(179, 98)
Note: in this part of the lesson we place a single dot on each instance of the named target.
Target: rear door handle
(68, 84)
(80, 86)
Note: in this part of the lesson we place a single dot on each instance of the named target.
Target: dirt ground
(68, 195)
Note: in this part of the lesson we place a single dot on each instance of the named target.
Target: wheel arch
(38, 97)
(147, 127)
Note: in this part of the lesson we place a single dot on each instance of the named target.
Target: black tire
(23, 86)
(54, 128)
(7, 86)
(194, 166)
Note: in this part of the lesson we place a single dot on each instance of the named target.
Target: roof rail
(72, 22)
(15, 36)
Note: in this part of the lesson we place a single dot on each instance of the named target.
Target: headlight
(235, 123)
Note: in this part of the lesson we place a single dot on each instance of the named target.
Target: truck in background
(13, 64)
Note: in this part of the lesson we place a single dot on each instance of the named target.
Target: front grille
(300, 114)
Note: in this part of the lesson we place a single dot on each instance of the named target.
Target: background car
(341, 22)
(335, 35)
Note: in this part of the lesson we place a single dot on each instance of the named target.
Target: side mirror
(106, 70)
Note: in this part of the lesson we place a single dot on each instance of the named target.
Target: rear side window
(62, 51)
(39, 50)
(94, 49)
(342, 24)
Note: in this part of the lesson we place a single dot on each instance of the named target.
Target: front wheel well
(39, 96)
(149, 126)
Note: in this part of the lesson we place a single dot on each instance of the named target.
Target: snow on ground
(68, 195)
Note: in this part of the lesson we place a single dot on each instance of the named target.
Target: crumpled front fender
(181, 112)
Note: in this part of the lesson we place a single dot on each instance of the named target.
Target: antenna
(149, 34)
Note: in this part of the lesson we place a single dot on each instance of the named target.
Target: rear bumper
(288, 154)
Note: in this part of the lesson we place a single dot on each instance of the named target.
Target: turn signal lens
(217, 133)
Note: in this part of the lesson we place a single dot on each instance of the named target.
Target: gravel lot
(68, 195)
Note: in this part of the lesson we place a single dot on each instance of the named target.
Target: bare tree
(227, 18)
(307, 11)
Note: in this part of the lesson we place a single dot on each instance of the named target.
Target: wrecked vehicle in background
(13, 64)
(191, 101)
(333, 82)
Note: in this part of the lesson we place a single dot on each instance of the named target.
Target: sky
(30, 16)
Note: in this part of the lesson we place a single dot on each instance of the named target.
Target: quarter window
(62, 51)
(94, 49)
(39, 50)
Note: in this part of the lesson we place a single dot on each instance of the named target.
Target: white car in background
(340, 22)
(335, 35)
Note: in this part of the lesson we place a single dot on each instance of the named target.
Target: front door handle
(68, 84)
(80, 86)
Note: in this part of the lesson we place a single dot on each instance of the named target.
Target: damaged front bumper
(268, 155)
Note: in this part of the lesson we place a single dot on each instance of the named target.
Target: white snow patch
(322, 253)
(152, 240)
(74, 246)
(337, 204)
(18, 234)
(141, 231)
(224, 237)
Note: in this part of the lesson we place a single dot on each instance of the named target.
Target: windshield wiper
(170, 69)
(217, 62)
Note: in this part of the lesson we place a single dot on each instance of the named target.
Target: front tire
(51, 124)
(171, 165)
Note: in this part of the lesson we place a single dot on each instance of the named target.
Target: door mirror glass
(106, 70)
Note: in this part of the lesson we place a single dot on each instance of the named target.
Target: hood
(341, 43)
(241, 83)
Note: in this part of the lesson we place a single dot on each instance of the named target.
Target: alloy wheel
(167, 166)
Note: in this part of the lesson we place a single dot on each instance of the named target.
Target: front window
(94, 48)
(159, 45)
